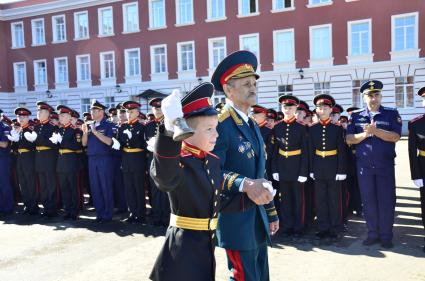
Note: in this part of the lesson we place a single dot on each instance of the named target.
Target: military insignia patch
(241, 148)
(399, 120)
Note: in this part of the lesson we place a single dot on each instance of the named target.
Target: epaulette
(417, 118)
(213, 155)
(389, 108)
(185, 154)
(358, 110)
(223, 115)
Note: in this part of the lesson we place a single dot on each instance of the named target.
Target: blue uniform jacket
(95, 147)
(242, 225)
(373, 153)
(4, 130)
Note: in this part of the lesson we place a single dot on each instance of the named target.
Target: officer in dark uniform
(328, 168)
(131, 136)
(290, 166)
(98, 139)
(192, 176)
(68, 140)
(375, 130)
(6, 192)
(246, 220)
(417, 153)
(159, 200)
(25, 138)
(45, 159)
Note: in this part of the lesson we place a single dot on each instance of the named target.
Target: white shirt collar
(243, 115)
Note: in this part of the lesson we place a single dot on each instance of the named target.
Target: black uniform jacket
(132, 161)
(68, 162)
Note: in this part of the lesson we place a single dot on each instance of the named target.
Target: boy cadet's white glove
(276, 176)
(31, 137)
(172, 109)
(418, 182)
(302, 179)
(128, 133)
(115, 144)
(340, 177)
(54, 138)
(13, 138)
(312, 175)
(150, 144)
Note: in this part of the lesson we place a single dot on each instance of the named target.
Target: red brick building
(72, 51)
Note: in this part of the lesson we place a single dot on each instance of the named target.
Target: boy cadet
(192, 176)
(327, 168)
(290, 166)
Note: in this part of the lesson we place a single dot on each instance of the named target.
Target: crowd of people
(247, 172)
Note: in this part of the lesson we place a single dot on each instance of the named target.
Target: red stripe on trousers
(234, 257)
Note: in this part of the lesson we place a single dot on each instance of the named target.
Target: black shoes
(371, 241)
(387, 244)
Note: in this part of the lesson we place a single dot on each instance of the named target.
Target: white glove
(59, 138)
(418, 182)
(172, 109)
(276, 176)
(312, 175)
(54, 138)
(269, 187)
(150, 144)
(340, 177)
(14, 133)
(128, 133)
(31, 137)
(115, 144)
(302, 179)
(13, 138)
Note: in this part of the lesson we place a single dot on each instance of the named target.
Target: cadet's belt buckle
(286, 154)
(323, 154)
(212, 224)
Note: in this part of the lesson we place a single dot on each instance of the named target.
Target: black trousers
(134, 183)
(292, 205)
(160, 204)
(328, 205)
(26, 175)
(355, 201)
(48, 196)
(69, 191)
(422, 191)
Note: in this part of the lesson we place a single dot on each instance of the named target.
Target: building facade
(112, 50)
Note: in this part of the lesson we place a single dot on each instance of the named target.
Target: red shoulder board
(185, 154)
(213, 155)
(416, 119)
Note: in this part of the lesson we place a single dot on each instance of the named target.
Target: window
(320, 42)
(159, 59)
(40, 72)
(322, 88)
(250, 43)
(131, 17)
(83, 68)
(216, 9)
(110, 102)
(284, 46)
(17, 31)
(38, 37)
(186, 56)
(282, 4)
(106, 21)
(284, 90)
(107, 65)
(357, 95)
(20, 74)
(61, 70)
(359, 38)
(248, 7)
(59, 28)
(132, 62)
(405, 32)
(404, 92)
(216, 99)
(217, 51)
(85, 105)
(81, 25)
(156, 13)
(184, 11)
(318, 2)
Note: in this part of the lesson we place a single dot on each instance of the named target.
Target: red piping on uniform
(166, 157)
(238, 273)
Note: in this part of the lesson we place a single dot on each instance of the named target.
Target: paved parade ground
(36, 249)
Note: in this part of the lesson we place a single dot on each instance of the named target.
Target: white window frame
(76, 26)
(102, 66)
(85, 104)
(151, 27)
(210, 9)
(405, 85)
(362, 58)
(178, 19)
(15, 75)
(82, 83)
(124, 17)
(323, 61)
(321, 4)
(159, 76)
(55, 30)
(211, 54)
(36, 82)
(33, 34)
(256, 13)
(189, 73)
(283, 65)
(100, 20)
(12, 30)
(409, 53)
(132, 78)
(278, 10)
(242, 36)
(56, 64)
